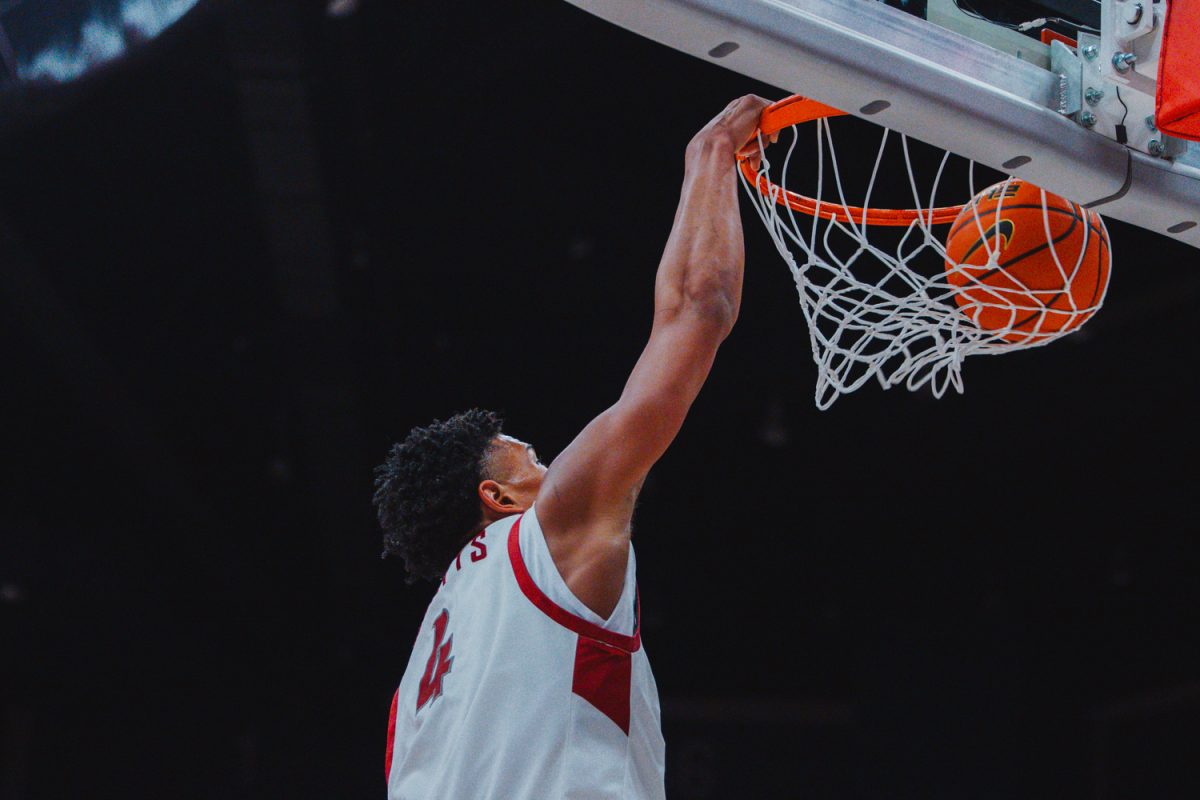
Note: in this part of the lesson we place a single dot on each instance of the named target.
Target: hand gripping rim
(796, 110)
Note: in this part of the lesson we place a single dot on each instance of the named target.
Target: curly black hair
(425, 493)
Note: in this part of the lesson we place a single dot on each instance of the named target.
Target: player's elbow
(713, 301)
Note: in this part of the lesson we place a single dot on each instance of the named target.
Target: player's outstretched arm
(585, 503)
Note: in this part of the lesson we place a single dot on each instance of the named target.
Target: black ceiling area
(240, 260)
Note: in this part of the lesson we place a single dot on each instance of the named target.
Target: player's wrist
(711, 145)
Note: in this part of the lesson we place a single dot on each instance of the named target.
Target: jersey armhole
(536, 553)
(556, 612)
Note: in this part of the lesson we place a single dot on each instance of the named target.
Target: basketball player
(528, 679)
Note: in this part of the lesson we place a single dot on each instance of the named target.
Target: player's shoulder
(496, 535)
(486, 546)
(503, 526)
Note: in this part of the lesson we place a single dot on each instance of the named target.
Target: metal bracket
(1131, 19)
(1068, 66)
(1130, 38)
(1112, 105)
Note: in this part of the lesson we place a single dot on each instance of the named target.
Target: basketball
(1023, 269)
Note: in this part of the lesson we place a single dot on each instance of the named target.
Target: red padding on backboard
(1177, 106)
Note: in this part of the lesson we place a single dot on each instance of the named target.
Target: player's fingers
(742, 116)
(749, 107)
(751, 152)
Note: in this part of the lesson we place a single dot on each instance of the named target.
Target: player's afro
(425, 493)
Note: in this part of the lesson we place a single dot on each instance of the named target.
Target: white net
(891, 305)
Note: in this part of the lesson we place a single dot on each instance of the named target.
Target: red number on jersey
(439, 662)
(480, 548)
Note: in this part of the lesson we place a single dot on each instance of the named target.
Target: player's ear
(496, 499)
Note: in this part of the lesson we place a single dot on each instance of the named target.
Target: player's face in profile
(521, 470)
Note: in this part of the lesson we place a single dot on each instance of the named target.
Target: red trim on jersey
(603, 677)
(387, 763)
(559, 614)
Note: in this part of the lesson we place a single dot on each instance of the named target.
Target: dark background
(239, 263)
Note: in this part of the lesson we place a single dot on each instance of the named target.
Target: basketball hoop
(1016, 268)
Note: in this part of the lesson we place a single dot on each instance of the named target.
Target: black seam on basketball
(1091, 303)
(1029, 252)
(982, 214)
(1035, 314)
(1044, 245)
(1063, 292)
(993, 231)
(1071, 280)
(982, 217)
(986, 214)
(1078, 213)
(1099, 269)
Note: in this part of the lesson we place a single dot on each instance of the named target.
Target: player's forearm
(701, 268)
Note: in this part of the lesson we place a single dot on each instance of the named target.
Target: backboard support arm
(930, 83)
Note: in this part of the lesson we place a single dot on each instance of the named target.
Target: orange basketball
(1011, 278)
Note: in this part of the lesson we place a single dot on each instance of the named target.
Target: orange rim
(795, 110)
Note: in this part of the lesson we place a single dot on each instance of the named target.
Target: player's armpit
(586, 501)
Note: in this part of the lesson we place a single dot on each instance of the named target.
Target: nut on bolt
(1155, 147)
(1150, 123)
(1090, 52)
(1123, 61)
(1087, 119)
(1093, 95)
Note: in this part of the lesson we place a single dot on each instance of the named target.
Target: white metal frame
(936, 85)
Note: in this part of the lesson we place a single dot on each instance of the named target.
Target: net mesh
(890, 305)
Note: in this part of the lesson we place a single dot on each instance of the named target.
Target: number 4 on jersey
(439, 662)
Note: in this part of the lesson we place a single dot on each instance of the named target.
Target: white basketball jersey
(515, 690)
